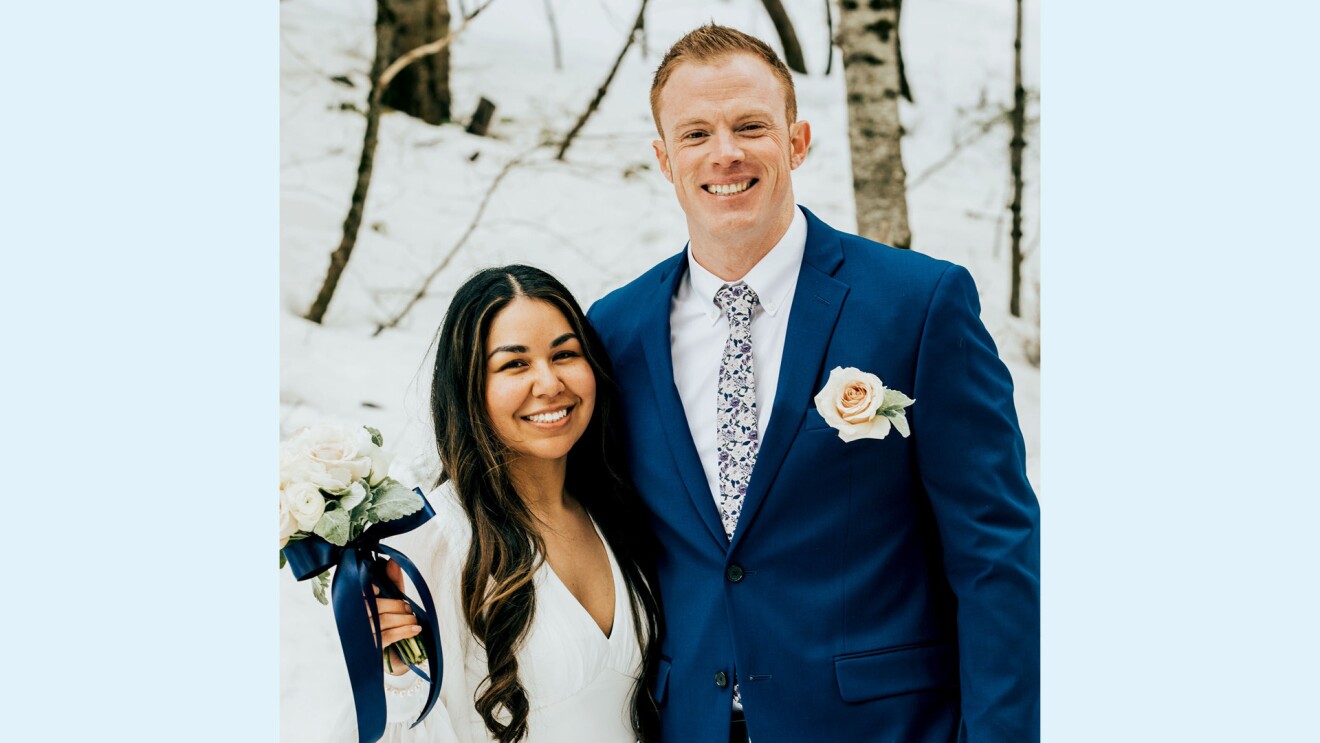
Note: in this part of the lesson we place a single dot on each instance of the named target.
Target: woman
(538, 554)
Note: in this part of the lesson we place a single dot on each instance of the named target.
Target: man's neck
(730, 257)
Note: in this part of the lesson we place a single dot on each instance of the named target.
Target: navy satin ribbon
(357, 570)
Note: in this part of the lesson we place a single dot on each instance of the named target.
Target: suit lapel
(660, 360)
(816, 304)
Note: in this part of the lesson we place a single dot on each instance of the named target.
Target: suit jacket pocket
(892, 671)
(814, 420)
(661, 683)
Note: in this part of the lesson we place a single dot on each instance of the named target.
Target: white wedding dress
(578, 681)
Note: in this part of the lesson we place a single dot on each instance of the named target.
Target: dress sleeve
(972, 460)
(438, 549)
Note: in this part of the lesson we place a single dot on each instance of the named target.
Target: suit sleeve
(972, 462)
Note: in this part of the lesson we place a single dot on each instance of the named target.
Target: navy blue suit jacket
(876, 590)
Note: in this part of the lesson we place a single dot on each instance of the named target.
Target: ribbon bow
(357, 569)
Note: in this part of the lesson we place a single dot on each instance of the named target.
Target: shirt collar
(772, 278)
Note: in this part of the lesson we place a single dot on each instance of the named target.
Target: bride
(538, 553)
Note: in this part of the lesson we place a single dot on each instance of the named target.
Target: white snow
(597, 220)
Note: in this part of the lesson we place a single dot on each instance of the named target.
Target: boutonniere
(859, 406)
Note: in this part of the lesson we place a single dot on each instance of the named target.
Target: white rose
(288, 525)
(342, 452)
(308, 470)
(380, 464)
(849, 403)
(305, 502)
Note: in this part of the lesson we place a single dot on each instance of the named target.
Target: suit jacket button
(721, 680)
(734, 573)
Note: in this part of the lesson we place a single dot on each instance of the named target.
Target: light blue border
(140, 198)
(1179, 373)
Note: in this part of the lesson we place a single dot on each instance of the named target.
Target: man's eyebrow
(691, 122)
(564, 339)
(508, 349)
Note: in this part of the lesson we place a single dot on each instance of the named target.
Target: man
(817, 589)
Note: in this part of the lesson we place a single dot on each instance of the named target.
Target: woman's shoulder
(450, 520)
(447, 534)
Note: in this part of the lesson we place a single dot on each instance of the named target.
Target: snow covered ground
(595, 221)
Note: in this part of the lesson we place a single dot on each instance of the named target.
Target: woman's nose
(548, 383)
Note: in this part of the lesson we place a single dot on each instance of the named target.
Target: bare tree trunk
(600, 94)
(787, 36)
(868, 35)
(829, 29)
(421, 90)
(554, 35)
(381, 76)
(339, 258)
(1015, 151)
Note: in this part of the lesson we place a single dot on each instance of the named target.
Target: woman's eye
(567, 355)
(516, 363)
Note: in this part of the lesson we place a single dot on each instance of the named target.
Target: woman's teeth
(548, 417)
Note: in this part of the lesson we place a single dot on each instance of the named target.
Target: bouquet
(333, 486)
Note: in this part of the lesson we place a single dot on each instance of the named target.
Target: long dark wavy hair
(497, 591)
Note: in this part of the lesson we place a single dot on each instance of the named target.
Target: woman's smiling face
(540, 389)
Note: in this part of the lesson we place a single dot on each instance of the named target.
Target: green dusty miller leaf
(319, 584)
(376, 438)
(353, 497)
(893, 402)
(333, 527)
(282, 560)
(394, 501)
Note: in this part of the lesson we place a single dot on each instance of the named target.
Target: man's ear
(799, 140)
(662, 157)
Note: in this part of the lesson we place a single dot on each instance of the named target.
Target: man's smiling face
(729, 149)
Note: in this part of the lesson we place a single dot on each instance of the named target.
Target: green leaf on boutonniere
(893, 403)
(394, 501)
(376, 438)
(333, 526)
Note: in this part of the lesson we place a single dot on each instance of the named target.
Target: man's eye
(753, 128)
(694, 135)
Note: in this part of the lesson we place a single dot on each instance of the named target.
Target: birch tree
(872, 66)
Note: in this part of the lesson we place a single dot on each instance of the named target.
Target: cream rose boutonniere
(857, 405)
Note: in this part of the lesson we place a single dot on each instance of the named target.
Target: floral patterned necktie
(736, 436)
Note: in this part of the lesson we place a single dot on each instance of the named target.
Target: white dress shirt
(698, 331)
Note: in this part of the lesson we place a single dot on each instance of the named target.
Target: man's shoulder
(867, 258)
(622, 302)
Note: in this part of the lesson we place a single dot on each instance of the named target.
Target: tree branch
(426, 50)
(444, 263)
(380, 80)
(600, 94)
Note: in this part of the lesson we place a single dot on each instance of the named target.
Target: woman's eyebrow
(563, 339)
(507, 349)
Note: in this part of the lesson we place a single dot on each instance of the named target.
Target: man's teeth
(730, 189)
(548, 417)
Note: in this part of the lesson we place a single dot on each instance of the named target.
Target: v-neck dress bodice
(579, 682)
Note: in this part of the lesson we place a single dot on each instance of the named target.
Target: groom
(817, 589)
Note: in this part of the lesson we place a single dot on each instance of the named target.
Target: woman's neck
(540, 484)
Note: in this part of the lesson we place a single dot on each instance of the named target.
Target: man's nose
(727, 148)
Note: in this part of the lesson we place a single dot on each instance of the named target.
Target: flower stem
(411, 651)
